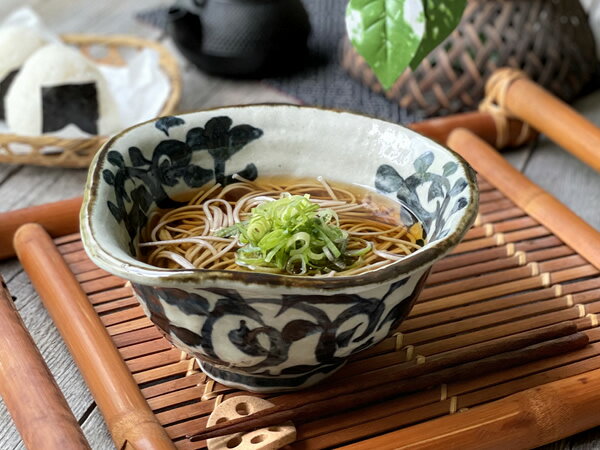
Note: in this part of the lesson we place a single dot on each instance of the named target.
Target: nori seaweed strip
(70, 103)
(4, 85)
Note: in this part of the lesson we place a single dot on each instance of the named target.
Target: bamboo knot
(453, 404)
(488, 229)
(398, 343)
(443, 392)
(208, 391)
(558, 290)
(494, 103)
(569, 300)
(191, 368)
(593, 319)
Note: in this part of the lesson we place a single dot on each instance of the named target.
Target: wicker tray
(67, 152)
(509, 275)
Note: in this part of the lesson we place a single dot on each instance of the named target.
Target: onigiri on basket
(50, 150)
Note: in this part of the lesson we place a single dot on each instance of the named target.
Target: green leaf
(441, 18)
(387, 33)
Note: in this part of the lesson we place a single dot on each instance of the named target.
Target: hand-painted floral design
(443, 193)
(143, 182)
(225, 318)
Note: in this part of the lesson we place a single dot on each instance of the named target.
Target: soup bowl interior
(264, 331)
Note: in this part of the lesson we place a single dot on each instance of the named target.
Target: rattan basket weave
(63, 152)
(551, 41)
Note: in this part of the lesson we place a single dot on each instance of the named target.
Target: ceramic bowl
(258, 331)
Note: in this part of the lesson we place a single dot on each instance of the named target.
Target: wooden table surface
(555, 170)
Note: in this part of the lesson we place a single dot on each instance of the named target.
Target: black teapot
(241, 38)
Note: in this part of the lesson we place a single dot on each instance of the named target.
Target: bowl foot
(259, 383)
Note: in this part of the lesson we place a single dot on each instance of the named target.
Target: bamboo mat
(509, 275)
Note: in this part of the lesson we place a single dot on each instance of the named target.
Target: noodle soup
(375, 230)
(273, 282)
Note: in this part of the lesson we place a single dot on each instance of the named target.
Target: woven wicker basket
(63, 152)
(551, 41)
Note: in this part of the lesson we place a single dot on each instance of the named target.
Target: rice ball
(56, 87)
(17, 43)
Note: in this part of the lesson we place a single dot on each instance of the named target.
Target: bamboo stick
(468, 278)
(475, 385)
(393, 420)
(122, 316)
(147, 362)
(91, 275)
(385, 391)
(490, 196)
(58, 218)
(505, 329)
(465, 298)
(127, 414)
(553, 117)
(70, 247)
(157, 390)
(476, 309)
(35, 402)
(534, 417)
(82, 266)
(476, 257)
(136, 337)
(531, 198)
(473, 270)
(489, 279)
(482, 124)
(504, 214)
(116, 304)
(537, 244)
(345, 427)
(550, 253)
(482, 309)
(144, 348)
(66, 238)
(501, 204)
(439, 332)
(111, 295)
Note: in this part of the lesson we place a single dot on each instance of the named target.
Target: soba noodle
(187, 237)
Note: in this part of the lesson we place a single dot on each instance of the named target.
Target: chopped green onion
(293, 235)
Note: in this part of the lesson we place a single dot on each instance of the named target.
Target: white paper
(140, 87)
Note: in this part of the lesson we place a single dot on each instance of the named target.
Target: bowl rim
(135, 272)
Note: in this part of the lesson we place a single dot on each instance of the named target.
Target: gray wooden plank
(96, 432)
(518, 157)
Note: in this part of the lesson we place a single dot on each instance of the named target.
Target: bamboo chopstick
(529, 197)
(125, 410)
(438, 371)
(36, 404)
